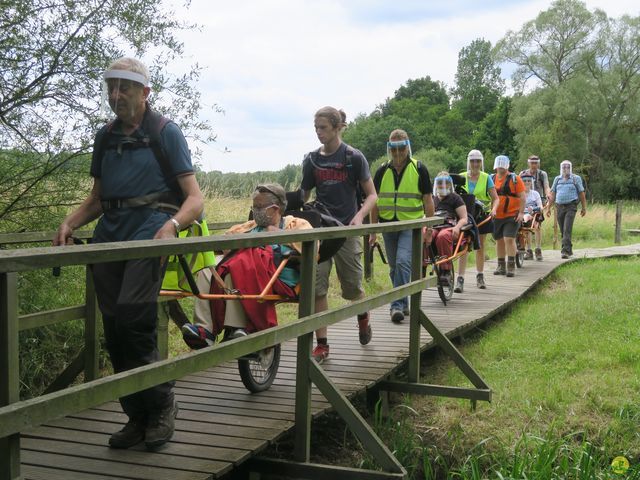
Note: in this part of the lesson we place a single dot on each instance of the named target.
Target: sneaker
(459, 285)
(132, 434)
(501, 270)
(397, 316)
(320, 353)
(511, 269)
(197, 336)
(161, 426)
(538, 255)
(234, 333)
(364, 328)
(480, 281)
(528, 255)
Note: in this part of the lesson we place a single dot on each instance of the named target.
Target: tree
(496, 137)
(53, 56)
(431, 92)
(551, 48)
(478, 82)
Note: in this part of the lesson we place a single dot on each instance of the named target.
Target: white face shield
(115, 81)
(443, 186)
(501, 161)
(398, 149)
(475, 161)
(528, 182)
(566, 168)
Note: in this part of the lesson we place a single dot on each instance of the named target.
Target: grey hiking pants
(566, 216)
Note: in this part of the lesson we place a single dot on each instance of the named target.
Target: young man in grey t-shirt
(336, 170)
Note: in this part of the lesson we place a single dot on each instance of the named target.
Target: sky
(271, 65)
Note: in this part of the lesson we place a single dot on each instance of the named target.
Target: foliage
(495, 136)
(53, 58)
(478, 82)
(585, 106)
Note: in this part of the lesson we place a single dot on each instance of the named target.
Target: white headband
(127, 75)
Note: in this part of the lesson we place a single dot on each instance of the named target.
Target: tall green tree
(495, 136)
(478, 84)
(53, 56)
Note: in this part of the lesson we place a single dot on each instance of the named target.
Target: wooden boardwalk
(221, 424)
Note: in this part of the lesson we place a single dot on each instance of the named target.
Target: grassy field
(564, 365)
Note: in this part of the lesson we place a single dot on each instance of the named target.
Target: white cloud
(271, 65)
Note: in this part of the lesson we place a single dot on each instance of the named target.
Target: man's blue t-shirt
(128, 173)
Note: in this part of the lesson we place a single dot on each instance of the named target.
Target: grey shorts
(505, 227)
(348, 262)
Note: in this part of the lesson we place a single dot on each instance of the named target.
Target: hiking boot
(130, 435)
(320, 353)
(528, 255)
(480, 281)
(445, 278)
(501, 270)
(197, 336)
(538, 255)
(564, 255)
(406, 312)
(397, 316)
(364, 330)
(161, 426)
(234, 333)
(511, 269)
(459, 285)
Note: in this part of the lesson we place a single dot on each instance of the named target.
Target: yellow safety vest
(405, 202)
(480, 190)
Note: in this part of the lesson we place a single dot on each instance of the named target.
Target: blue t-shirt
(133, 172)
(290, 276)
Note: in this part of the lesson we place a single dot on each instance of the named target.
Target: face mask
(442, 191)
(261, 217)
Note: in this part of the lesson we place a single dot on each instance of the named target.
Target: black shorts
(486, 228)
(505, 227)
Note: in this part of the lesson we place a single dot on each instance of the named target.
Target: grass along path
(564, 365)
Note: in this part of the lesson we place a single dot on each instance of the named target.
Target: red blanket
(250, 269)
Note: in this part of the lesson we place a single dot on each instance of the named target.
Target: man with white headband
(566, 190)
(144, 188)
(404, 193)
(540, 185)
(509, 215)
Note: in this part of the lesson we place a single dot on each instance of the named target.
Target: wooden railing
(17, 415)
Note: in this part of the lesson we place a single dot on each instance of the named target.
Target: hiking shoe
(364, 328)
(320, 353)
(161, 426)
(564, 255)
(528, 255)
(480, 281)
(196, 336)
(459, 285)
(397, 316)
(406, 312)
(511, 269)
(538, 254)
(132, 434)
(501, 270)
(445, 278)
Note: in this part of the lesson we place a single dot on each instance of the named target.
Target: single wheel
(445, 291)
(258, 370)
(520, 251)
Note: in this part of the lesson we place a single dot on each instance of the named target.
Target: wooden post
(9, 371)
(413, 367)
(91, 335)
(618, 235)
(368, 257)
(306, 306)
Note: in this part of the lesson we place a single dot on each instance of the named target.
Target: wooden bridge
(221, 426)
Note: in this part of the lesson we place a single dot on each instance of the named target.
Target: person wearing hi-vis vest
(479, 184)
(404, 193)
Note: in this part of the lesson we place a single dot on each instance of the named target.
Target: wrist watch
(176, 224)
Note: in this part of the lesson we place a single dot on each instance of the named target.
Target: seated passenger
(449, 205)
(247, 270)
(532, 206)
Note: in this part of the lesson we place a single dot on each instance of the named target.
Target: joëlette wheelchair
(257, 370)
(524, 231)
(469, 239)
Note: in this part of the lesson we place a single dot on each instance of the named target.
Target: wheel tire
(255, 376)
(446, 292)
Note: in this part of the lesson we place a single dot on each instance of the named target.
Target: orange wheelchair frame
(521, 238)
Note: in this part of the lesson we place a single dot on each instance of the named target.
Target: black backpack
(152, 124)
